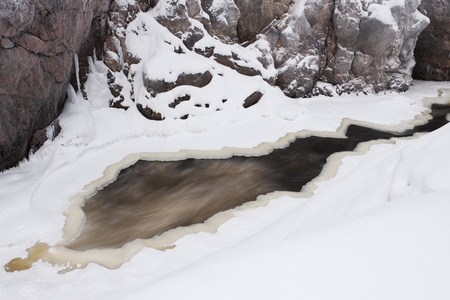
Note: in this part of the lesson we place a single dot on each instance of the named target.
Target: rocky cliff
(38, 43)
(355, 46)
(433, 47)
(305, 47)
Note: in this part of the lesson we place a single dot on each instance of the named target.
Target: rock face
(433, 47)
(350, 45)
(38, 40)
(298, 44)
(258, 14)
(357, 46)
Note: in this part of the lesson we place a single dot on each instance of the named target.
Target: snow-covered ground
(376, 226)
(379, 229)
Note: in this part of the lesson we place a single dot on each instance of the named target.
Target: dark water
(149, 198)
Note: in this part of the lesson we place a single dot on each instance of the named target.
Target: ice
(77, 70)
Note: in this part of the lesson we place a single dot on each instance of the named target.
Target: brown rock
(6, 43)
(155, 87)
(234, 63)
(252, 99)
(42, 135)
(257, 14)
(38, 42)
(149, 113)
(432, 52)
(178, 100)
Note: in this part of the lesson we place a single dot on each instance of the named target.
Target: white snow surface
(377, 227)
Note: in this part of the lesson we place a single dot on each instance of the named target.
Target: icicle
(71, 94)
(77, 70)
(91, 65)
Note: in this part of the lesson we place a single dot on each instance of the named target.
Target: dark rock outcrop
(149, 113)
(252, 99)
(155, 87)
(432, 52)
(38, 40)
(233, 62)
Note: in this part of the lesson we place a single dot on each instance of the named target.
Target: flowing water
(150, 197)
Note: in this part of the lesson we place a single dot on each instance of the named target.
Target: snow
(382, 13)
(373, 225)
(298, 7)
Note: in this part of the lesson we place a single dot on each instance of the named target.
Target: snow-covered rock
(355, 45)
(358, 45)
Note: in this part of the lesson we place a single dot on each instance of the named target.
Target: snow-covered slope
(378, 229)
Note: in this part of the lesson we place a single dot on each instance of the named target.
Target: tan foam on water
(114, 258)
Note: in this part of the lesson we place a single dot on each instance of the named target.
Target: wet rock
(38, 43)
(432, 52)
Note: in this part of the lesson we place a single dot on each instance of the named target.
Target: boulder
(252, 99)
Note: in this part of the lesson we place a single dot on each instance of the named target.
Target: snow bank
(363, 234)
(348, 231)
